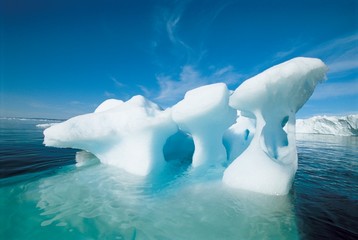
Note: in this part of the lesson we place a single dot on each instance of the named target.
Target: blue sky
(63, 58)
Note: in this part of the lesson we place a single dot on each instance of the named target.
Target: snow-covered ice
(238, 137)
(130, 135)
(333, 125)
(204, 113)
(272, 98)
(108, 104)
(139, 137)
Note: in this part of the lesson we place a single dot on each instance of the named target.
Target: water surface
(45, 195)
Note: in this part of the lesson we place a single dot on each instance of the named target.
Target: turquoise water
(44, 194)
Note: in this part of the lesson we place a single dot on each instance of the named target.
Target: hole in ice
(179, 147)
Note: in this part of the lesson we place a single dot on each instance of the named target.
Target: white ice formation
(238, 137)
(332, 125)
(129, 135)
(205, 114)
(108, 105)
(139, 137)
(272, 98)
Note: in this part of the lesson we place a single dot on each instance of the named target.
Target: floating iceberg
(108, 105)
(238, 137)
(342, 126)
(205, 114)
(129, 135)
(272, 98)
(133, 135)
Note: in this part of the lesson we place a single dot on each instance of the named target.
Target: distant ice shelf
(332, 125)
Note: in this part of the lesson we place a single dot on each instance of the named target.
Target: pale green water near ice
(96, 201)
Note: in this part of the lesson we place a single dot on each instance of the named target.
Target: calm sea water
(44, 194)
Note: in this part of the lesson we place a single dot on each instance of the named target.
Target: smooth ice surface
(272, 98)
(238, 137)
(204, 113)
(333, 125)
(129, 135)
(108, 104)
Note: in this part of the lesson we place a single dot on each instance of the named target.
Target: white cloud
(327, 90)
(339, 54)
(339, 44)
(343, 65)
(172, 90)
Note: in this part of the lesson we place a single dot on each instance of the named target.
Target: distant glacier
(333, 125)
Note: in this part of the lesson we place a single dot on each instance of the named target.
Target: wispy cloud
(172, 90)
(169, 38)
(343, 65)
(340, 44)
(328, 90)
(109, 94)
(285, 53)
(117, 83)
(166, 26)
(171, 25)
(146, 92)
(340, 54)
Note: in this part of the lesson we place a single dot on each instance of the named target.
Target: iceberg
(272, 98)
(205, 114)
(129, 135)
(108, 105)
(250, 130)
(332, 125)
(238, 137)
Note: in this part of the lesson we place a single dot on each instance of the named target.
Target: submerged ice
(259, 148)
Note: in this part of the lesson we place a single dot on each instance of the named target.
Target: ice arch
(205, 114)
(130, 135)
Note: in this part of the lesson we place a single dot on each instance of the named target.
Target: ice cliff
(342, 126)
(259, 145)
